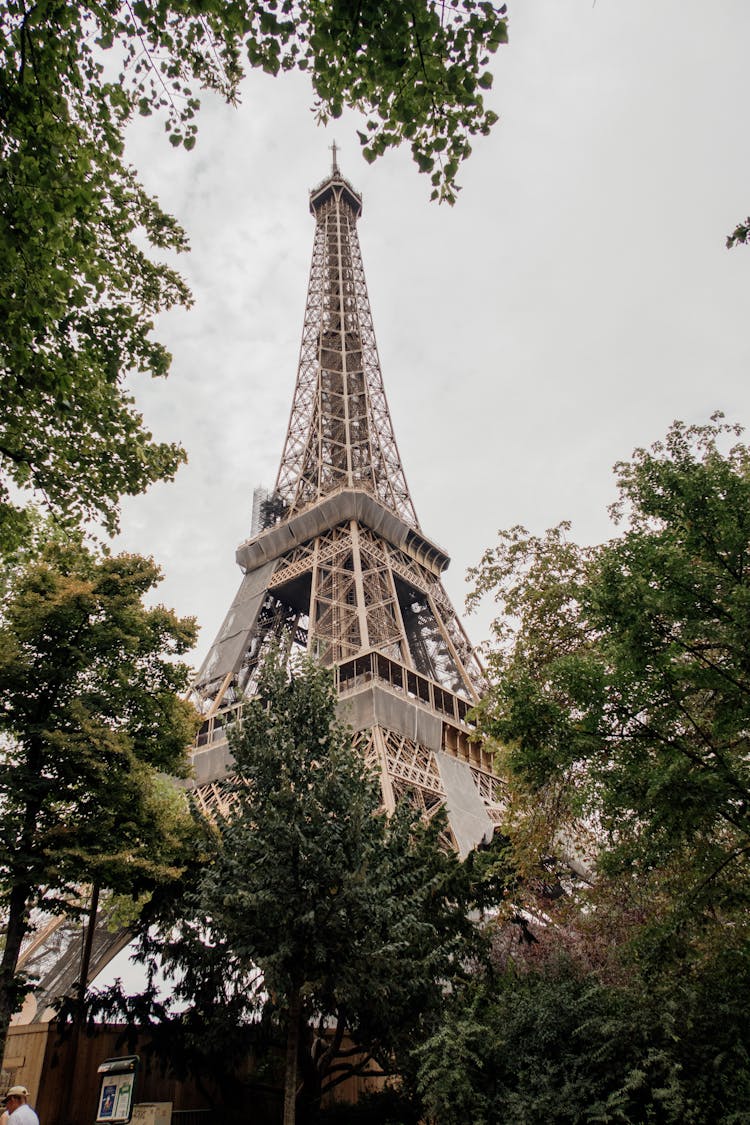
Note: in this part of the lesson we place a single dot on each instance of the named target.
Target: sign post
(116, 1090)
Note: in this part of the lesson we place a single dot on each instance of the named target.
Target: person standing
(17, 1105)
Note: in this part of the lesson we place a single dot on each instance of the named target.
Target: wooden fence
(59, 1068)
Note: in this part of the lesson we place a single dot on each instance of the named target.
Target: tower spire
(340, 432)
(341, 568)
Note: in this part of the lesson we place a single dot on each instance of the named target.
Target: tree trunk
(292, 1049)
(15, 933)
(88, 944)
(22, 887)
(83, 977)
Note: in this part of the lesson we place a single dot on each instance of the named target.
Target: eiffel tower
(339, 566)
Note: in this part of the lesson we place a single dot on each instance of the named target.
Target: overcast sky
(577, 298)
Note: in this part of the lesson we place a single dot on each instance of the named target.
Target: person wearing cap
(17, 1105)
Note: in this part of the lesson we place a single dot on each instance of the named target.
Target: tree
(79, 292)
(78, 295)
(626, 685)
(618, 706)
(317, 909)
(550, 1042)
(91, 719)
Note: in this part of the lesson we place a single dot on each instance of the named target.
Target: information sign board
(116, 1090)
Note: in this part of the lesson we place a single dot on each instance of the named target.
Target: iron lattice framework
(339, 566)
(340, 433)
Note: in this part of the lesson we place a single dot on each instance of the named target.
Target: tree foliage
(91, 719)
(627, 682)
(740, 234)
(78, 289)
(77, 295)
(619, 708)
(317, 913)
(555, 1044)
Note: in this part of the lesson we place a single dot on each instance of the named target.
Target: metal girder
(340, 431)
